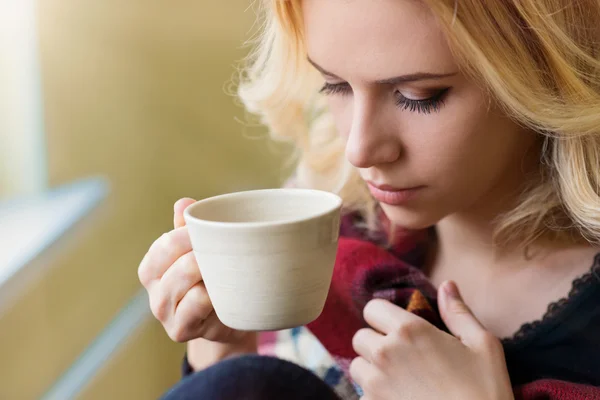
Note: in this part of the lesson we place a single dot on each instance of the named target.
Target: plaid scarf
(368, 267)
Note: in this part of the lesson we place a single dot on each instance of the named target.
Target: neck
(469, 236)
(462, 235)
(467, 239)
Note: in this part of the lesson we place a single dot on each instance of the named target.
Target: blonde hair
(538, 59)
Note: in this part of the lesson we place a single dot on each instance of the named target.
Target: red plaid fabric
(368, 267)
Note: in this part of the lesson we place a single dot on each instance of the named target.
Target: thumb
(179, 208)
(457, 316)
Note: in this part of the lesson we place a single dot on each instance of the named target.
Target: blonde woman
(464, 137)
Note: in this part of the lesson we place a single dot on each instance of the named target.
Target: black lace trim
(579, 287)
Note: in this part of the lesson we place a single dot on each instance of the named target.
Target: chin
(410, 218)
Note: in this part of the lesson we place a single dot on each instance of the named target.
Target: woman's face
(414, 125)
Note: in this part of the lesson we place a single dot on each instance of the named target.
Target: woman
(464, 137)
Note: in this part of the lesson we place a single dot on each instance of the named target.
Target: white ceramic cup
(266, 256)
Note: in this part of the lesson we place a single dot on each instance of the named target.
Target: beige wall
(132, 373)
(133, 90)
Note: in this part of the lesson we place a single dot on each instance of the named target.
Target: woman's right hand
(178, 297)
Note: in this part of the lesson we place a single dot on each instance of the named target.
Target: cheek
(451, 149)
(474, 150)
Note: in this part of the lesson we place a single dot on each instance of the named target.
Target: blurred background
(109, 112)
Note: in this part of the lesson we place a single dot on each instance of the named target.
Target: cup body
(266, 256)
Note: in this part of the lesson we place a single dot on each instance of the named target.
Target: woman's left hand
(406, 357)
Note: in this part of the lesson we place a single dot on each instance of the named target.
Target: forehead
(374, 39)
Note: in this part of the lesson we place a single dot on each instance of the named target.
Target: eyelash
(425, 106)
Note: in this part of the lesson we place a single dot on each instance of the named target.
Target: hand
(178, 297)
(405, 357)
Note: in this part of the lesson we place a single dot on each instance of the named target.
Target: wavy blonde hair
(539, 59)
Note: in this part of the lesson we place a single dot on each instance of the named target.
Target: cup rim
(336, 205)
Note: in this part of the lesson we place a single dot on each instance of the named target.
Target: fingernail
(452, 290)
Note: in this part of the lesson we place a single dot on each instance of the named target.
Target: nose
(372, 139)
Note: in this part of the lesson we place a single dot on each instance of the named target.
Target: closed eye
(336, 88)
(424, 106)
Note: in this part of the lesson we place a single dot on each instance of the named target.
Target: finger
(387, 317)
(178, 209)
(366, 342)
(363, 373)
(162, 254)
(179, 278)
(196, 315)
(194, 308)
(215, 331)
(457, 316)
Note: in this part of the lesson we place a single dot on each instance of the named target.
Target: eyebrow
(414, 77)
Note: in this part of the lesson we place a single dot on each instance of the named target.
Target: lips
(387, 188)
(391, 195)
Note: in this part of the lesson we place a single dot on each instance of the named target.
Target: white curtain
(22, 144)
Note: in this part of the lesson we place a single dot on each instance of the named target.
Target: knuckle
(211, 328)
(145, 267)
(380, 355)
(170, 244)
(144, 275)
(160, 241)
(205, 307)
(187, 275)
(159, 305)
(178, 333)
(371, 307)
(191, 258)
(191, 270)
(372, 383)
(410, 330)
(353, 369)
(356, 340)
